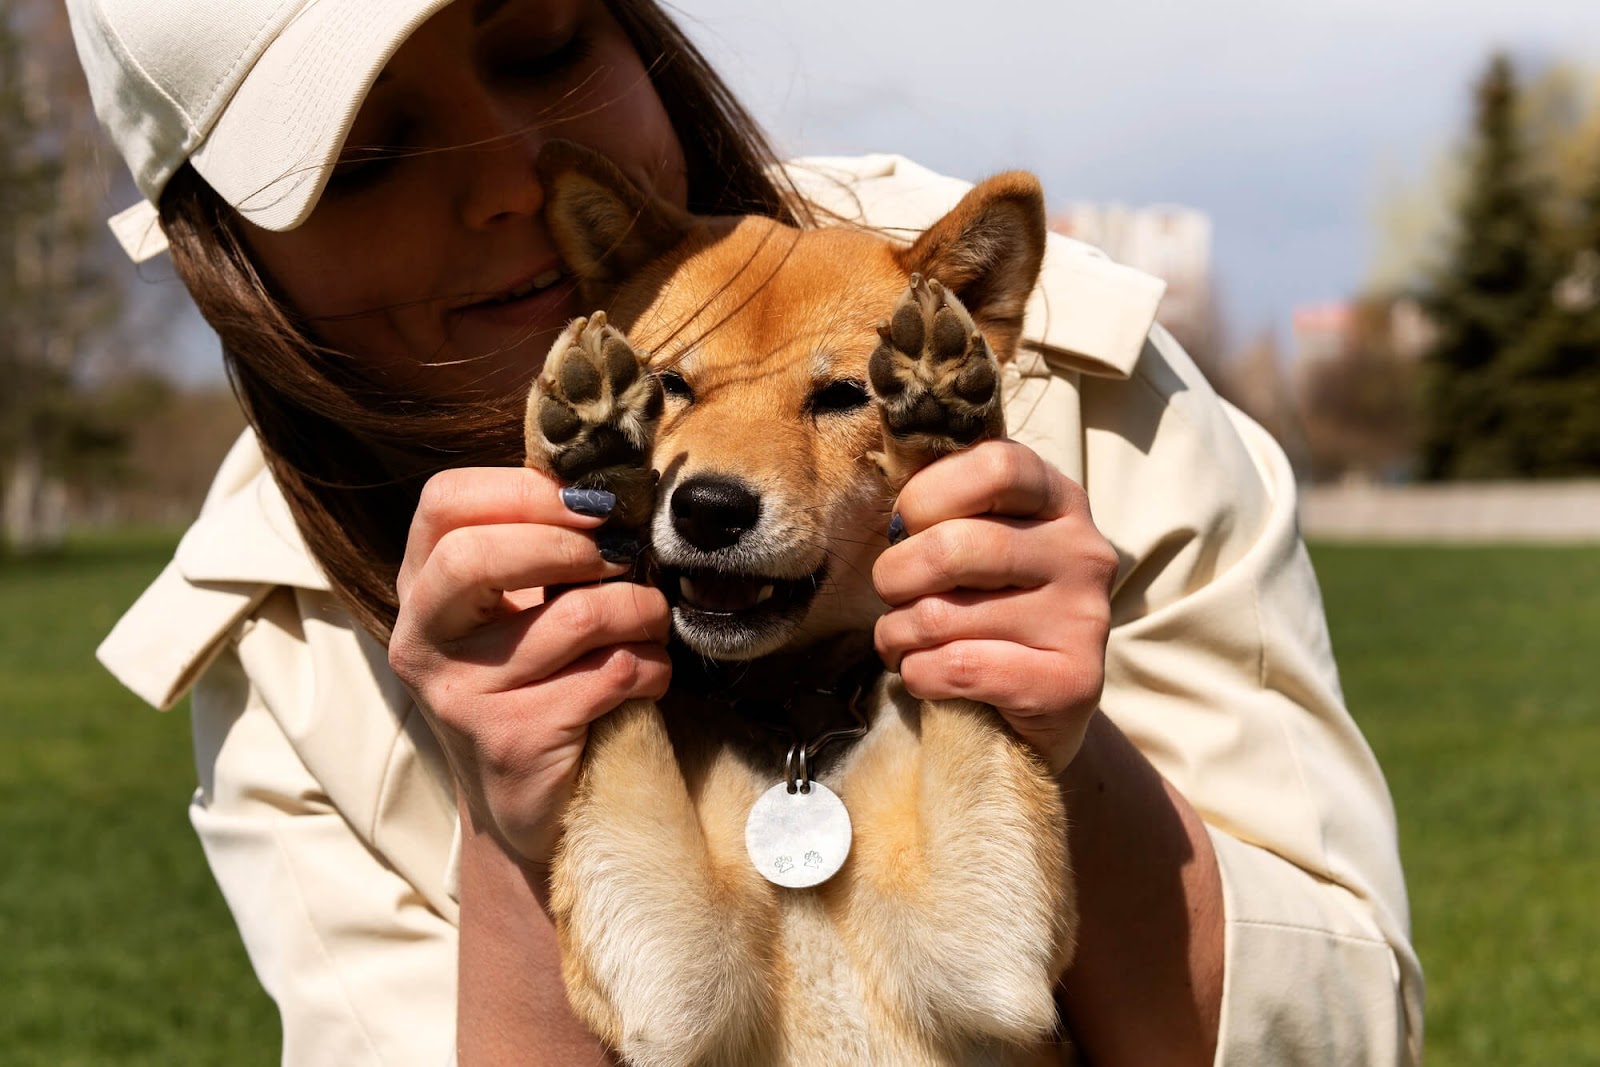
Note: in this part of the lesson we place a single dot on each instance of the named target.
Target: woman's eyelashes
(359, 166)
(542, 64)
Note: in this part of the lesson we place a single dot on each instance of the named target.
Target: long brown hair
(351, 457)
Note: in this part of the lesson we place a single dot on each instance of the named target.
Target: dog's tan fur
(941, 939)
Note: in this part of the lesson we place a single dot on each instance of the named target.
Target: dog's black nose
(712, 512)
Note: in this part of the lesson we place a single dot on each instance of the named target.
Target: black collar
(799, 696)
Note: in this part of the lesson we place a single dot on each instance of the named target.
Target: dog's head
(771, 509)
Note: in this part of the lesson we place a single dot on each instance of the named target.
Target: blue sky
(1285, 121)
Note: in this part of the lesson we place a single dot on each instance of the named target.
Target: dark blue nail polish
(897, 529)
(617, 546)
(596, 503)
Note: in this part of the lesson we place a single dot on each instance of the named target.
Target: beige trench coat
(326, 814)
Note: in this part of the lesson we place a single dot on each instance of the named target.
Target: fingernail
(596, 503)
(897, 529)
(617, 546)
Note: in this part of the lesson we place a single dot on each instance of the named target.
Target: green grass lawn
(115, 945)
(1475, 673)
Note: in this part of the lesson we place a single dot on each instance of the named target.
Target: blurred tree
(53, 296)
(1552, 375)
(1561, 112)
(178, 438)
(1559, 116)
(1496, 281)
(1358, 405)
(1414, 227)
(1254, 381)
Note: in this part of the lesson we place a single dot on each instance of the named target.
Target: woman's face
(427, 255)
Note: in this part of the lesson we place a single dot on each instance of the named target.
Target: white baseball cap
(258, 94)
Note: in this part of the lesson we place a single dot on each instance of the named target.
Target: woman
(380, 695)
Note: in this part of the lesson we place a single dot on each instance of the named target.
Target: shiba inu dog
(755, 395)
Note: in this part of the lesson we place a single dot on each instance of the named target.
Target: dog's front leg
(666, 952)
(665, 955)
(961, 899)
(957, 901)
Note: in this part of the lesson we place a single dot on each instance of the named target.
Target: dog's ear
(604, 226)
(987, 251)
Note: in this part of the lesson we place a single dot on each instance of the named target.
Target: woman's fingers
(1000, 592)
(1003, 674)
(1078, 619)
(993, 478)
(490, 496)
(602, 678)
(520, 755)
(511, 642)
(994, 517)
(547, 646)
(542, 642)
(1028, 686)
(991, 553)
(511, 732)
(981, 553)
(459, 587)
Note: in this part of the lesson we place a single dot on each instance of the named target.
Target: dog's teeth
(765, 594)
(686, 587)
(547, 279)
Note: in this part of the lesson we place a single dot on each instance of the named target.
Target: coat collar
(242, 547)
(245, 532)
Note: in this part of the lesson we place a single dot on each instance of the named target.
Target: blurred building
(1171, 242)
(1320, 332)
(1325, 331)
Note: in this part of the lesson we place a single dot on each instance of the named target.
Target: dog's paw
(934, 375)
(596, 404)
(593, 412)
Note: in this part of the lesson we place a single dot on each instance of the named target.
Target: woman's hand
(511, 678)
(1000, 593)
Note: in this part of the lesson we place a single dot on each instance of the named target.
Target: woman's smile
(516, 311)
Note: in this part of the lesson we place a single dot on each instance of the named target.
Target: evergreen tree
(1494, 285)
(1553, 377)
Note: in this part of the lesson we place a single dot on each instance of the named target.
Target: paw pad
(595, 404)
(933, 372)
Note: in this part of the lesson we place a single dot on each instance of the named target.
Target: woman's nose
(501, 182)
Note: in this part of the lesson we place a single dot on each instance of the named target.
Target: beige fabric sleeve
(361, 967)
(1220, 670)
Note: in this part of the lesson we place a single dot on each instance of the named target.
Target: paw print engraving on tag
(797, 840)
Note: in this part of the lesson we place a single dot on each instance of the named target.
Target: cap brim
(273, 147)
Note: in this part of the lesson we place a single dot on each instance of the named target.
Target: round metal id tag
(799, 839)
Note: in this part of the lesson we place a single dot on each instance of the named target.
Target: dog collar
(804, 700)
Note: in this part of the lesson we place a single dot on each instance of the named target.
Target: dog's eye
(672, 384)
(835, 397)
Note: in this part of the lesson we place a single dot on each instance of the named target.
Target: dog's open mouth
(736, 616)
